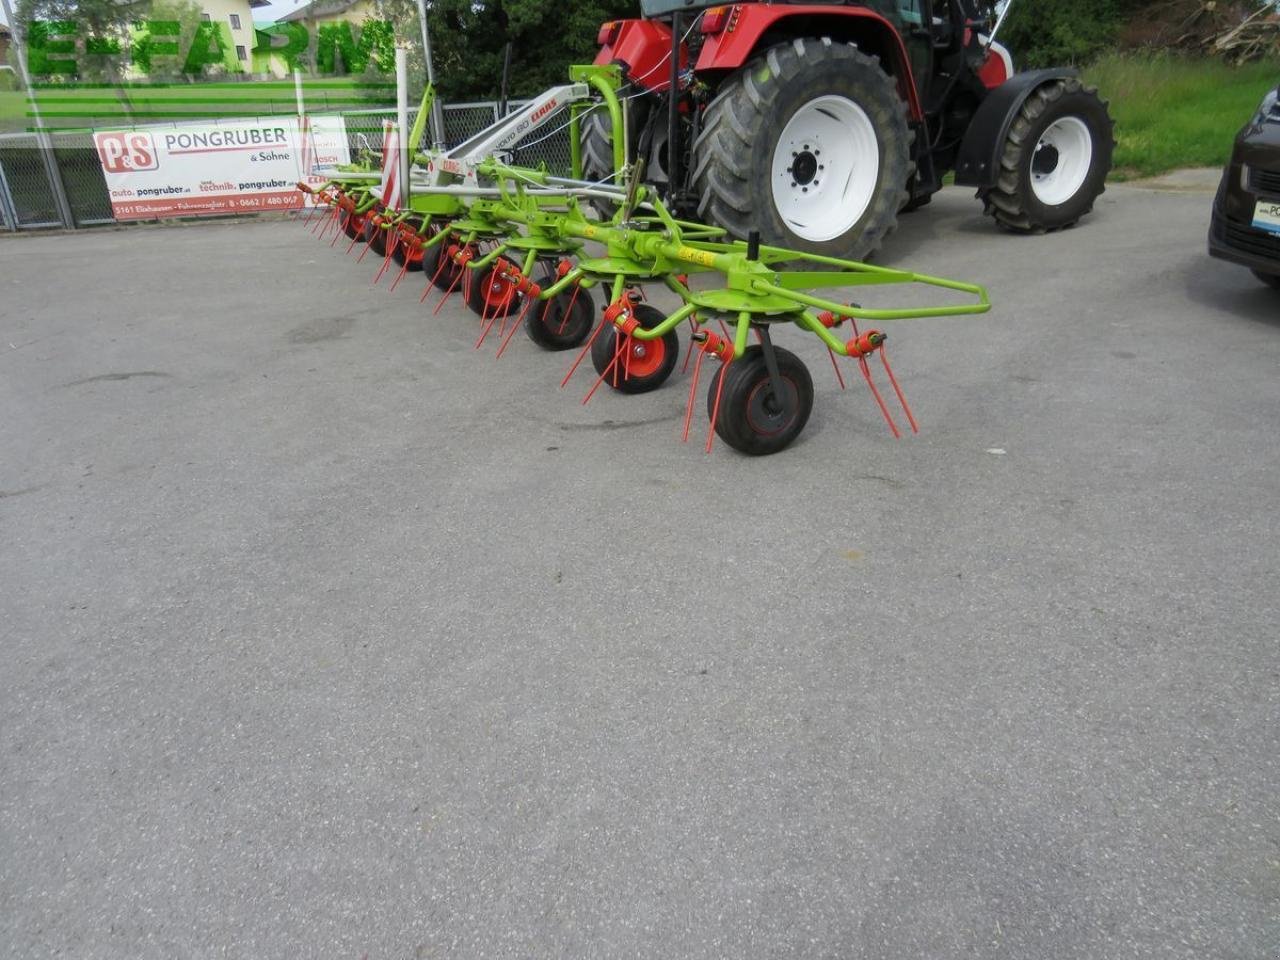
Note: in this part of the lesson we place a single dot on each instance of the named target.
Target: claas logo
(127, 152)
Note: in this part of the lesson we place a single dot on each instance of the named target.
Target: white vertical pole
(437, 117)
(402, 119)
(297, 93)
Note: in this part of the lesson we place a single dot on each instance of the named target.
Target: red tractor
(815, 124)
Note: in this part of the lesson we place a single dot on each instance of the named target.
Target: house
(237, 16)
(322, 13)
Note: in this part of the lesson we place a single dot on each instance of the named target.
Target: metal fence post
(44, 142)
(7, 211)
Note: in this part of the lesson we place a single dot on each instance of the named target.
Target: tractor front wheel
(651, 361)
(1054, 161)
(752, 418)
(808, 144)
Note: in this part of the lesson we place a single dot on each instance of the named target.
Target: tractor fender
(978, 163)
(739, 41)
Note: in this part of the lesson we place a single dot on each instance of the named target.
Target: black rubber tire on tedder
(563, 322)
(376, 236)
(750, 419)
(401, 253)
(743, 126)
(440, 272)
(1013, 200)
(353, 224)
(651, 368)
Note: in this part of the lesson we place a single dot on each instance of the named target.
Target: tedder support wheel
(489, 295)
(1055, 160)
(651, 361)
(808, 144)
(353, 225)
(402, 255)
(439, 270)
(565, 320)
(1270, 279)
(750, 418)
(376, 236)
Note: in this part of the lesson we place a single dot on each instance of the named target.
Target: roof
(320, 8)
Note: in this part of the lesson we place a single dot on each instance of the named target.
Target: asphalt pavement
(323, 634)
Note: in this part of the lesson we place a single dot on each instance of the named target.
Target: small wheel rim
(825, 168)
(764, 416)
(1061, 160)
(496, 291)
(644, 358)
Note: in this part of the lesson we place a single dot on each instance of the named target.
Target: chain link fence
(548, 145)
(27, 198)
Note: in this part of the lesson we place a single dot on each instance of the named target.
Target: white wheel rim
(1061, 161)
(825, 168)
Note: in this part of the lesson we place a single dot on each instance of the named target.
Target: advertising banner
(217, 167)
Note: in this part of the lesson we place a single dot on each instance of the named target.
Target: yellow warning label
(690, 255)
(589, 231)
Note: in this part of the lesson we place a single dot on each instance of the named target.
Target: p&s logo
(127, 152)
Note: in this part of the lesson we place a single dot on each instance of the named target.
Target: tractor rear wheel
(597, 148)
(1055, 160)
(808, 144)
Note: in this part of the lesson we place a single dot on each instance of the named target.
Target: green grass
(67, 107)
(1174, 112)
(13, 111)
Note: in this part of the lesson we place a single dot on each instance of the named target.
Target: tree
(168, 22)
(468, 38)
(100, 26)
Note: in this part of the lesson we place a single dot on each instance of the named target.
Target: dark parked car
(1246, 212)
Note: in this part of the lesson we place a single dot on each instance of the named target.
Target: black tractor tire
(742, 127)
(597, 146)
(1013, 200)
(646, 373)
(1270, 279)
(563, 322)
(375, 234)
(748, 419)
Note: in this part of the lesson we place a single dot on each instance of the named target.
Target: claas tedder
(569, 260)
